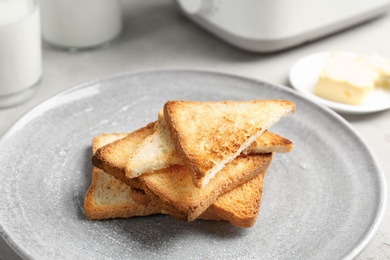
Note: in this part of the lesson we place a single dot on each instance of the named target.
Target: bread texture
(158, 151)
(269, 142)
(235, 205)
(106, 158)
(208, 135)
(155, 152)
(112, 157)
(107, 197)
(174, 185)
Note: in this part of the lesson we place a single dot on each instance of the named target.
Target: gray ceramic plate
(324, 200)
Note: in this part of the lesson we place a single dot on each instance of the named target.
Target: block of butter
(346, 79)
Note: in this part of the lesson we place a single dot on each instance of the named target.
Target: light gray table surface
(157, 36)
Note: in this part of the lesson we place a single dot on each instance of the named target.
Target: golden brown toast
(183, 200)
(112, 157)
(208, 135)
(109, 198)
(208, 169)
(245, 211)
(240, 206)
(157, 151)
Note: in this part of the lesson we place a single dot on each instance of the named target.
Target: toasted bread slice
(155, 152)
(174, 185)
(113, 164)
(107, 197)
(208, 135)
(241, 206)
(158, 151)
(269, 142)
(112, 157)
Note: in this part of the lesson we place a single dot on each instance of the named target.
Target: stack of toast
(199, 160)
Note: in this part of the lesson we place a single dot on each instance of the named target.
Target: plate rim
(383, 197)
(338, 107)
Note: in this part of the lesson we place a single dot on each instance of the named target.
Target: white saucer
(303, 77)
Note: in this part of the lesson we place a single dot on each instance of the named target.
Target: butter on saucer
(346, 78)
